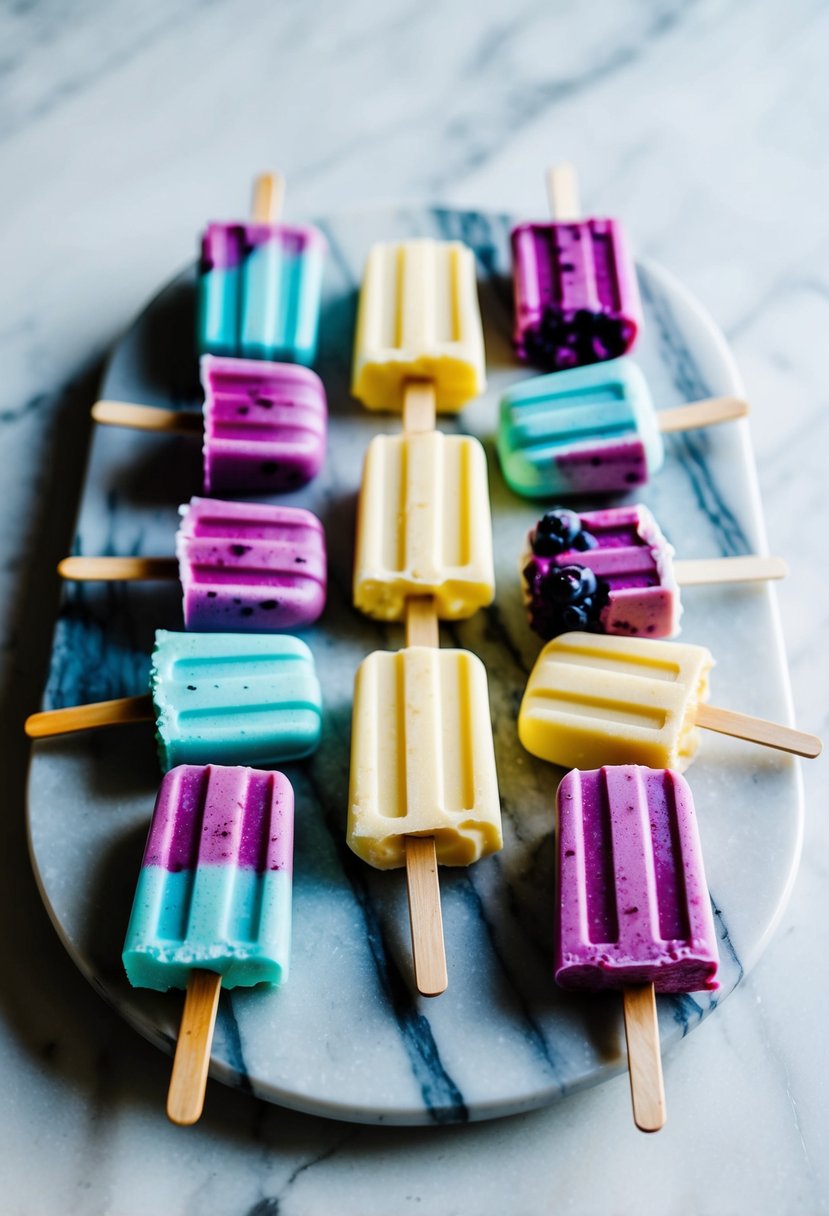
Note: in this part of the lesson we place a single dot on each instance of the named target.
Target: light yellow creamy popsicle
(423, 526)
(422, 758)
(418, 319)
(594, 700)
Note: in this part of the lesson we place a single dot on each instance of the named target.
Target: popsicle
(576, 295)
(212, 907)
(422, 758)
(418, 319)
(632, 905)
(592, 430)
(231, 698)
(260, 284)
(612, 571)
(595, 699)
(263, 425)
(423, 526)
(242, 566)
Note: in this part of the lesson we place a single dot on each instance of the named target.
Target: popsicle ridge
(632, 898)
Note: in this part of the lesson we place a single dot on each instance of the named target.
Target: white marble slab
(503, 1038)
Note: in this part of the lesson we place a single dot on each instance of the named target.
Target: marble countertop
(121, 128)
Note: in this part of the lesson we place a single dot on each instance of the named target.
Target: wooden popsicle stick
(563, 193)
(148, 418)
(419, 410)
(422, 883)
(73, 718)
(708, 412)
(647, 1090)
(422, 622)
(185, 1097)
(758, 730)
(268, 197)
(117, 569)
(729, 570)
(425, 917)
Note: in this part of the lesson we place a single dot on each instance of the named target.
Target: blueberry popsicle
(613, 571)
(592, 430)
(593, 699)
(234, 698)
(260, 284)
(263, 425)
(212, 906)
(632, 905)
(242, 566)
(576, 295)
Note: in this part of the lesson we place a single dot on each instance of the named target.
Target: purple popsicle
(608, 571)
(576, 296)
(632, 902)
(250, 567)
(265, 425)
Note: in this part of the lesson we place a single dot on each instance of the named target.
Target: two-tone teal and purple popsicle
(212, 907)
(592, 430)
(214, 889)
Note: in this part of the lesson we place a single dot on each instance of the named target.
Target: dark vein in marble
(232, 1041)
(534, 1034)
(442, 1098)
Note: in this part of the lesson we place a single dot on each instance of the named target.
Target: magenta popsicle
(245, 566)
(576, 296)
(264, 425)
(608, 571)
(633, 905)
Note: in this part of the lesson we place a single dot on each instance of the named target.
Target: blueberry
(556, 531)
(569, 584)
(584, 541)
(576, 616)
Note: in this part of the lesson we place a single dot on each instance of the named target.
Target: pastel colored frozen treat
(576, 295)
(423, 526)
(632, 901)
(259, 292)
(234, 698)
(593, 699)
(250, 567)
(608, 571)
(214, 891)
(422, 758)
(265, 425)
(418, 319)
(590, 430)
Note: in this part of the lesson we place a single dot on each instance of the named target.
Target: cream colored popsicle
(593, 700)
(423, 526)
(422, 758)
(418, 318)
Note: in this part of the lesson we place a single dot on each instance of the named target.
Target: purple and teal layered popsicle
(250, 567)
(589, 430)
(265, 425)
(260, 288)
(576, 295)
(632, 901)
(607, 571)
(214, 891)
